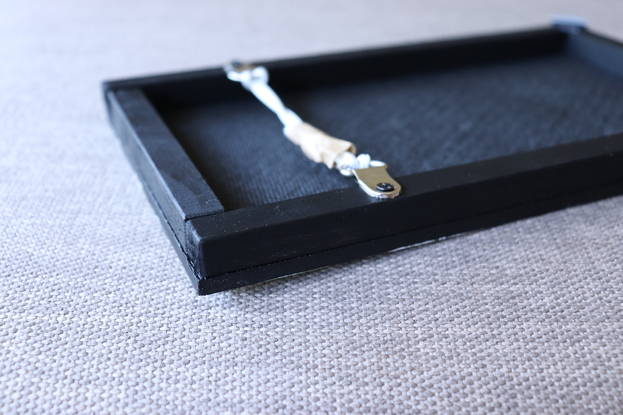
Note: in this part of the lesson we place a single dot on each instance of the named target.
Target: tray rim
(198, 231)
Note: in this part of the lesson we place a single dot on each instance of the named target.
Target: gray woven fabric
(97, 315)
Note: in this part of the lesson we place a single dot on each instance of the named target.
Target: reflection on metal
(376, 182)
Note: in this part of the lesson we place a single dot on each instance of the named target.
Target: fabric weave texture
(97, 315)
(413, 123)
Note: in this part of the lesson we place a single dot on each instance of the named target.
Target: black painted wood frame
(227, 249)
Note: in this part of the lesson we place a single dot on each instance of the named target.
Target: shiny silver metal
(376, 182)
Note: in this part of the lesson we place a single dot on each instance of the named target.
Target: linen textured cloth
(98, 316)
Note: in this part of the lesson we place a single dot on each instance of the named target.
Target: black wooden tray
(478, 131)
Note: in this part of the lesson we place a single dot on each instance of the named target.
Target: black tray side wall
(310, 232)
(440, 203)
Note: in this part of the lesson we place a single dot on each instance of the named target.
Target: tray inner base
(414, 123)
